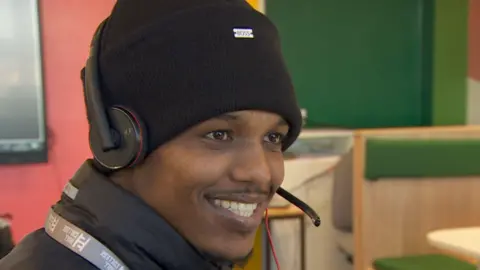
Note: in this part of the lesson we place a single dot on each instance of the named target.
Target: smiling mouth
(238, 208)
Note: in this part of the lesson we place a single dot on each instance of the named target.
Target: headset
(118, 137)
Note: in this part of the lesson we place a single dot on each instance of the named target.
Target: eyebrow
(227, 117)
(233, 117)
(282, 122)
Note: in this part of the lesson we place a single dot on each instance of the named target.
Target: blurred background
(389, 155)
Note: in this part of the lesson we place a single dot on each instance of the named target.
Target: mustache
(250, 189)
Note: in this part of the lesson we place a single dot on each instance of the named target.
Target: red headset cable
(272, 247)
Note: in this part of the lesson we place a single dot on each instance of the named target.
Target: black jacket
(119, 220)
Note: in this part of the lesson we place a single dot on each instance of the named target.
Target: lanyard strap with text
(82, 243)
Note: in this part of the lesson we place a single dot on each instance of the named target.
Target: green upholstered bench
(418, 158)
(422, 262)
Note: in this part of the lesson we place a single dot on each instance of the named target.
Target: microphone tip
(316, 222)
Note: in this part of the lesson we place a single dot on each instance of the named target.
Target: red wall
(474, 40)
(27, 191)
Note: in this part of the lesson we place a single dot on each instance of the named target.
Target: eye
(219, 135)
(275, 138)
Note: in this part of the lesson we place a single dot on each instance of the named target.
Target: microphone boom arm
(301, 205)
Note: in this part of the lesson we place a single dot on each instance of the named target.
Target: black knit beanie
(177, 63)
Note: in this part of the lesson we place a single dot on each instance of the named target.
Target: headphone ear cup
(130, 139)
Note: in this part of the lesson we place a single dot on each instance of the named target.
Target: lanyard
(79, 241)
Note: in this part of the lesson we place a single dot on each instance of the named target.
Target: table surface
(465, 241)
(280, 212)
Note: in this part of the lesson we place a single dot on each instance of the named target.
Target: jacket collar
(137, 234)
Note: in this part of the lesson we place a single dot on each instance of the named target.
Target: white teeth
(241, 209)
(224, 204)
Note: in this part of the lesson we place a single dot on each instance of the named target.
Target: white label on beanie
(243, 32)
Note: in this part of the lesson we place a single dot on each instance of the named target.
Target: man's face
(213, 182)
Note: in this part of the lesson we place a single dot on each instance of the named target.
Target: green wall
(450, 62)
(375, 63)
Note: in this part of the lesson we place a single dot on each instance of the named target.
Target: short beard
(240, 261)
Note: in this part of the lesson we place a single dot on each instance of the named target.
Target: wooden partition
(392, 214)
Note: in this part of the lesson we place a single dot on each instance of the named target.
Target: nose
(251, 165)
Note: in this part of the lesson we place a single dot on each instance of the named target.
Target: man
(207, 80)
